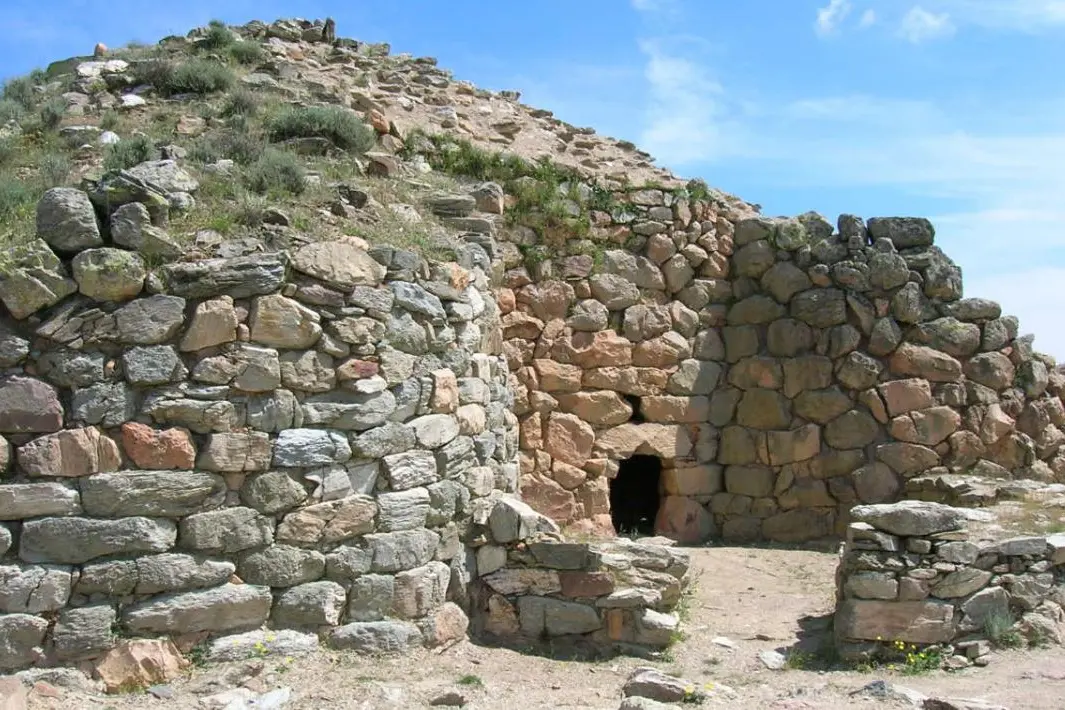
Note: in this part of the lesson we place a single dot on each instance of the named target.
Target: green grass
(247, 53)
(276, 171)
(470, 680)
(129, 152)
(339, 125)
(241, 147)
(217, 37)
(241, 102)
(199, 77)
(1001, 633)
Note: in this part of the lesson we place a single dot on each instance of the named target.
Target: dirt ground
(758, 598)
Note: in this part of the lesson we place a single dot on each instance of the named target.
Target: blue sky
(950, 109)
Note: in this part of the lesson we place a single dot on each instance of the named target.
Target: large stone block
(310, 605)
(376, 637)
(84, 632)
(34, 500)
(21, 636)
(225, 608)
(226, 531)
(330, 522)
(74, 540)
(164, 494)
(33, 589)
(919, 622)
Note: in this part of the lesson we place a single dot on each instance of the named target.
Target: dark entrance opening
(634, 402)
(634, 495)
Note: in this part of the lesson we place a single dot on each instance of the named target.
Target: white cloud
(1016, 15)
(868, 19)
(830, 16)
(686, 116)
(920, 25)
(654, 6)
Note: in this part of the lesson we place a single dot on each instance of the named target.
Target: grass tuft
(129, 152)
(341, 126)
(276, 171)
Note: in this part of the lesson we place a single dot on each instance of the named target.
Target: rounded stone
(107, 274)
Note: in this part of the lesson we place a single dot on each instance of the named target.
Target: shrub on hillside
(22, 90)
(11, 110)
(16, 196)
(218, 36)
(54, 169)
(247, 52)
(238, 146)
(276, 171)
(339, 125)
(241, 102)
(196, 76)
(200, 76)
(51, 113)
(129, 152)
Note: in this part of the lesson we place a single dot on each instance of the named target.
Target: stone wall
(532, 585)
(909, 572)
(782, 370)
(293, 437)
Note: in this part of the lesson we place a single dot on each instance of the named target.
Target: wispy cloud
(920, 25)
(868, 19)
(687, 119)
(830, 16)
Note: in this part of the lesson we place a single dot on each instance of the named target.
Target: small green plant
(797, 660)
(217, 36)
(238, 146)
(129, 152)
(341, 126)
(242, 102)
(470, 680)
(276, 171)
(999, 629)
(51, 113)
(22, 90)
(16, 197)
(8, 150)
(156, 72)
(11, 110)
(917, 661)
(247, 53)
(198, 655)
(200, 77)
(109, 120)
(54, 169)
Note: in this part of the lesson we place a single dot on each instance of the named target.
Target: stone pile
(783, 370)
(532, 584)
(909, 573)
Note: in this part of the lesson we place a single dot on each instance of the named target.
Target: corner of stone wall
(909, 573)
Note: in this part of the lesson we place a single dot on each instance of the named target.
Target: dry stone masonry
(909, 572)
(313, 438)
(776, 371)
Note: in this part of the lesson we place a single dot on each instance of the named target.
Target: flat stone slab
(910, 622)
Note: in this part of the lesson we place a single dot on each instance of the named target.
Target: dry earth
(758, 598)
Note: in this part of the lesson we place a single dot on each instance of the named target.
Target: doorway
(634, 495)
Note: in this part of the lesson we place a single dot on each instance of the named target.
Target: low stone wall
(909, 573)
(533, 585)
